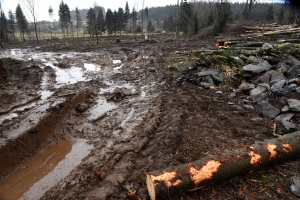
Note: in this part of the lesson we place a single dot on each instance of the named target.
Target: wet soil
(124, 101)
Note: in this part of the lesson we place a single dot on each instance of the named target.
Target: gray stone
(285, 108)
(237, 61)
(282, 70)
(294, 105)
(283, 100)
(257, 92)
(285, 127)
(206, 85)
(256, 119)
(253, 59)
(246, 87)
(298, 90)
(285, 117)
(293, 87)
(267, 110)
(219, 94)
(267, 47)
(231, 95)
(208, 79)
(247, 102)
(275, 76)
(295, 186)
(278, 88)
(216, 74)
(293, 72)
(251, 70)
(248, 107)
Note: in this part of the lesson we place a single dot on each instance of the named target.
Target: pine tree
(150, 27)
(11, 24)
(78, 20)
(126, 17)
(121, 20)
(270, 14)
(64, 16)
(196, 25)
(171, 24)
(186, 18)
(222, 15)
(109, 21)
(100, 22)
(50, 13)
(22, 22)
(4, 28)
(147, 14)
(90, 22)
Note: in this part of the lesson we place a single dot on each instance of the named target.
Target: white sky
(112, 4)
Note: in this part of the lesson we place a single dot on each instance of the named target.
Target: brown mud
(124, 102)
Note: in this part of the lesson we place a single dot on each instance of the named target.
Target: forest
(189, 18)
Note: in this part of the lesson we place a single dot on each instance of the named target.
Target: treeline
(192, 17)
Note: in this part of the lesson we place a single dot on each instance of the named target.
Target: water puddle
(117, 68)
(99, 111)
(44, 92)
(92, 67)
(67, 76)
(117, 61)
(47, 168)
(15, 112)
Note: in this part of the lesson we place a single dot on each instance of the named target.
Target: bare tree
(250, 5)
(50, 13)
(143, 2)
(177, 21)
(32, 7)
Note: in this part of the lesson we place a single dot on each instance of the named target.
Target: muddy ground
(134, 113)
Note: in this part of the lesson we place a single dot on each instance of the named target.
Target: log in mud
(162, 184)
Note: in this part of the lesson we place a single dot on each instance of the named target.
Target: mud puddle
(44, 170)
(92, 67)
(100, 110)
(17, 111)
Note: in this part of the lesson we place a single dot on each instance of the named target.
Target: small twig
(47, 159)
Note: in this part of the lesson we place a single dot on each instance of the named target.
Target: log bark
(162, 184)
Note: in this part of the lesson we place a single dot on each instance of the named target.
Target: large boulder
(248, 71)
(267, 110)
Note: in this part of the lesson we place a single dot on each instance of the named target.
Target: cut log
(162, 184)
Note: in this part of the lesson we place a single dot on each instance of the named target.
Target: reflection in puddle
(99, 110)
(92, 67)
(34, 176)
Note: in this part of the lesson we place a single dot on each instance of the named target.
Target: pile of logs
(255, 36)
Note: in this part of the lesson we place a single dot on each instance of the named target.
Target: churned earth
(78, 124)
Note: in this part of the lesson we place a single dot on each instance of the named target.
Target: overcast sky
(112, 4)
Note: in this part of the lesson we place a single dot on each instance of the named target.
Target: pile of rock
(281, 82)
(271, 81)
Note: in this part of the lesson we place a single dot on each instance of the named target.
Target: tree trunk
(195, 175)
(36, 33)
(177, 22)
